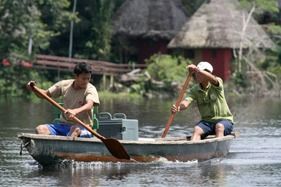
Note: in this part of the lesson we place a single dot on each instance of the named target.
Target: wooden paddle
(180, 97)
(113, 145)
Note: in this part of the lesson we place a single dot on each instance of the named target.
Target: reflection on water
(254, 158)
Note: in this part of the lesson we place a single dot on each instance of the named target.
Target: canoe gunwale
(159, 141)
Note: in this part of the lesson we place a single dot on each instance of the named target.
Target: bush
(167, 68)
(13, 81)
(240, 80)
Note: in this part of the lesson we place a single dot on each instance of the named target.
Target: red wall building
(146, 48)
(220, 59)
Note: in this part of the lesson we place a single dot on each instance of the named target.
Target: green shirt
(211, 102)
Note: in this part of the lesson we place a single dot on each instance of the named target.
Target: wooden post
(103, 81)
(111, 81)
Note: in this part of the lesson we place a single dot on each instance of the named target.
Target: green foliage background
(47, 24)
(167, 68)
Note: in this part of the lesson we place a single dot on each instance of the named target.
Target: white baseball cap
(205, 66)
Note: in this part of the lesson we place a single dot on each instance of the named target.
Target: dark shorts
(209, 128)
(63, 129)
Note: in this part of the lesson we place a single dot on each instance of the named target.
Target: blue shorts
(209, 128)
(63, 129)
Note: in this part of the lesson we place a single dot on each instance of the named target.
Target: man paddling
(209, 96)
(79, 97)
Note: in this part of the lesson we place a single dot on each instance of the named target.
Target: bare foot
(76, 133)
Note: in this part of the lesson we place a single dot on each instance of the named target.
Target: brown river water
(254, 158)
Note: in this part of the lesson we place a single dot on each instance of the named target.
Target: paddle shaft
(180, 97)
(53, 102)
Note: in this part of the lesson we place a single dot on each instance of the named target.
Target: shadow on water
(254, 157)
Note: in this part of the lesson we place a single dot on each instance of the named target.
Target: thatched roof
(150, 18)
(219, 24)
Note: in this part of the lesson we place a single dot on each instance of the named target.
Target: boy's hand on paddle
(175, 109)
(192, 68)
(70, 113)
(30, 85)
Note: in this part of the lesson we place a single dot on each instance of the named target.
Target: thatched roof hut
(219, 24)
(150, 18)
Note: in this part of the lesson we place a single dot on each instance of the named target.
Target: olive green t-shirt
(73, 98)
(211, 102)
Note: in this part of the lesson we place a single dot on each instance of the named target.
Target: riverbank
(13, 81)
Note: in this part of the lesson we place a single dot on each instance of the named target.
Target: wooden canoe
(50, 150)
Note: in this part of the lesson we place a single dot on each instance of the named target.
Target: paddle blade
(116, 148)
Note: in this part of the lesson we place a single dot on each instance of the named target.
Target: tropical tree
(22, 26)
(264, 64)
(25, 31)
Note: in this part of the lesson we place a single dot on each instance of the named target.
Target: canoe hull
(49, 150)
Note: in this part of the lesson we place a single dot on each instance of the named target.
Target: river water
(254, 158)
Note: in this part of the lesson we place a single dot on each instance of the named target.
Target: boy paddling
(209, 96)
(79, 97)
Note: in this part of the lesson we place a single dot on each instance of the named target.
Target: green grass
(122, 95)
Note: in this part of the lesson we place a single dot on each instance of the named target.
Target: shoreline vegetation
(162, 79)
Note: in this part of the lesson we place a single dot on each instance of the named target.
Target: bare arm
(86, 107)
(209, 76)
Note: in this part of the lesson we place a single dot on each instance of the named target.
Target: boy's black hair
(82, 67)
